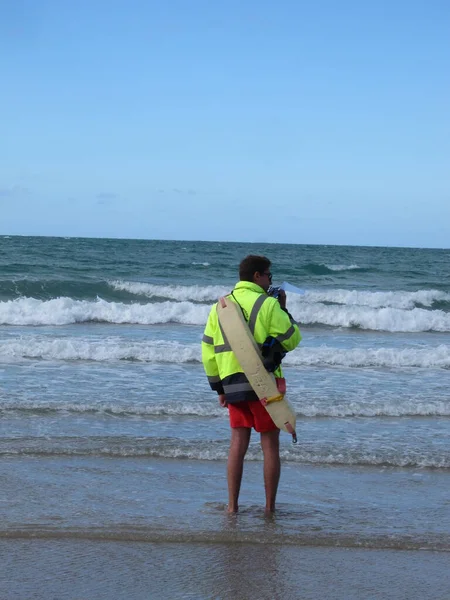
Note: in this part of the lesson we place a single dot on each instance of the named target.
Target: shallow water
(71, 570)
(160, 500)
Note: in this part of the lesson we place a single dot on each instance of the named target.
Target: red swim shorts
(251, 414)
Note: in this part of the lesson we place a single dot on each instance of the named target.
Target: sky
(293, 121)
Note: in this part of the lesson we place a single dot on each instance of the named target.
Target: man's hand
(282, 298)
(223, 401)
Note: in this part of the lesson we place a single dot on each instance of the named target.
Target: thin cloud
(189, 192)
(13, 191)
(107, 196)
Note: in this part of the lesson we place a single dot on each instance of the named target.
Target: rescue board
(249, 357)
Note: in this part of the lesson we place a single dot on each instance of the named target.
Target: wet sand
(93, 528)
(86, 570)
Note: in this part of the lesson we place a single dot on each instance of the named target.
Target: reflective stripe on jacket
(265, 317)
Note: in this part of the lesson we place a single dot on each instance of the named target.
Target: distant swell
(47, 289)
(323, 269)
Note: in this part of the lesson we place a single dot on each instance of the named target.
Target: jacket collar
(249, 285)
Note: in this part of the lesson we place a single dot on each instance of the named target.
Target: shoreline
(157, 501)
(183, 538)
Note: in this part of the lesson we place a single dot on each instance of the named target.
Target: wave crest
(173, 352)
(318, 308)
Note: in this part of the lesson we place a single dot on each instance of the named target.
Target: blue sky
(305, 122)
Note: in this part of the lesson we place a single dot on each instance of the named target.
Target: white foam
(365, 457)
(162, 351)
(169, 408)
(382, 299)
(109, 349)
(398, 299)
(64, 311)
(206, 450)
(306, 406)
(342, 267)
(377, 319)
(195, 293)
(426, 357)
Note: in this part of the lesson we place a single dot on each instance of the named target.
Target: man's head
(257, 270)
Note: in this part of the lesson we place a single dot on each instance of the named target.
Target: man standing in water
(267, 318)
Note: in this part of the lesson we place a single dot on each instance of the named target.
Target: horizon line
(139, 239)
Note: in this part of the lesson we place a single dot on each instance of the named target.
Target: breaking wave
(113, 348)
(65, 311)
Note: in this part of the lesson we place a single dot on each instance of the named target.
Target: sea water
(109, 430)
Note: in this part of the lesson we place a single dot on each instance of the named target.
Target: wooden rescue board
(249, 357)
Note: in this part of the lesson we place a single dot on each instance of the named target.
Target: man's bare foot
(232, 510)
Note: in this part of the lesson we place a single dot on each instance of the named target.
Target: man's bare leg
(240, 439)
(270, 444)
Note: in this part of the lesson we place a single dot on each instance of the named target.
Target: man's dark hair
(252, 264)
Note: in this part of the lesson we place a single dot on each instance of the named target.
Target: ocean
(110, 436)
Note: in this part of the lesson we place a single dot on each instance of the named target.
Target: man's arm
(209, 355)
(283, 326)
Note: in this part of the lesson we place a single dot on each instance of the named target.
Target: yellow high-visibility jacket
(265, 318)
